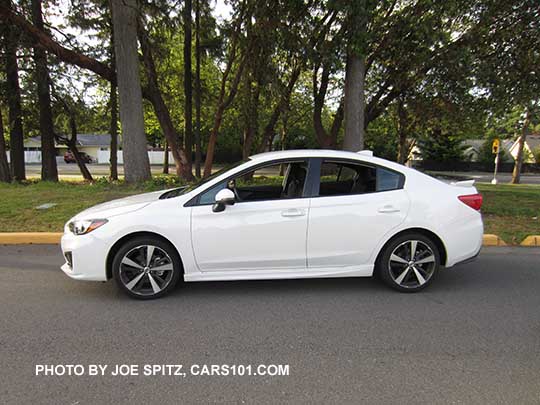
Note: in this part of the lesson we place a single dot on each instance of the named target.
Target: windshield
(186, 189)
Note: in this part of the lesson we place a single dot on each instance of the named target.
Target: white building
(90, 144)
(97, 146)
(531, 145)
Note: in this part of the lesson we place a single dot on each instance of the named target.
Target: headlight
(84, 226)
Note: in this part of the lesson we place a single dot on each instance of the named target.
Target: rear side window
(346, 178)
(387, 180)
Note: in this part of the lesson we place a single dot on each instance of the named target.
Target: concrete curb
(30, 238)
(53, 238)
(492, 240)
(531, 240)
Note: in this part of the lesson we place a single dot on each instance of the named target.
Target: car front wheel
(409, 263)
(146, 268)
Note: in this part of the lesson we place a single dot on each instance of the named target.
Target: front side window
(346, 178)
(186, 189)
(272, 182)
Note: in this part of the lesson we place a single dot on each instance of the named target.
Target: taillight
(472, 200)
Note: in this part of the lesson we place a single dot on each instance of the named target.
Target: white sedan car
(281, 215)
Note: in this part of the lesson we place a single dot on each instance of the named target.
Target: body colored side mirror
(223, 198)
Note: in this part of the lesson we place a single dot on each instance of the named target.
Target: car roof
(361, 156)
(296, 153)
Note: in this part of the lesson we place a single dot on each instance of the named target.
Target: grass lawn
(18, 202)
(510, 211)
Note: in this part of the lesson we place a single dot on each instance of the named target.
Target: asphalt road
(472, 337)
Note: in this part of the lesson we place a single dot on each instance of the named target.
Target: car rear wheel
(409, 263)
(146, 268)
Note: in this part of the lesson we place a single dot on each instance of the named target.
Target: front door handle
(388, 209)
(293, 212)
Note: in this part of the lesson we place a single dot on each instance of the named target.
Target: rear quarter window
(388, 180)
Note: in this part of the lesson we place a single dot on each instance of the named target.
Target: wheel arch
(116, 246)
(426, 232)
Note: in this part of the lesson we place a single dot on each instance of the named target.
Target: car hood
(120, 206)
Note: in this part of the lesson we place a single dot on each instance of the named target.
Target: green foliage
(163, 181)
(536, 155)
(462, 70)
(382, 138)
(507, 61)
(441, 147)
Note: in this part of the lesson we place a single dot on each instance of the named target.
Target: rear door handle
(388, 209)
(293, 212)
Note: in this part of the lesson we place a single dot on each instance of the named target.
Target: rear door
(354, 207)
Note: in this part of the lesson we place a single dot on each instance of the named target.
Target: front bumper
(86, 257)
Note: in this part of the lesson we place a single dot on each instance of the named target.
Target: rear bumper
(469, 260)
(88, 257)
(464, 240)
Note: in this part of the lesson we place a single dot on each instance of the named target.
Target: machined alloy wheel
(146, 268)
(409, 263)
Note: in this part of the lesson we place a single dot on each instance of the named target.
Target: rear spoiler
(465, 183)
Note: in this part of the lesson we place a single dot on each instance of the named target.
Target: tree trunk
(198, 148)
(284, 124)
(281, 106)
(5, 174)
(13, 95)
(49, 171)
(136, 162)
(153, 93)
(249, 135)
(72, 145)
(210, 148)
(251, 116)
(223, 103)
(516, 173)
(326, 140)
(188, 90)
(113, 128)
(80, 162)
(354, 105)
(166, 158)
(402, 133)
(113, 158)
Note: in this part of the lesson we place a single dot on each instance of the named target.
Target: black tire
(409, 274)
(142, 282)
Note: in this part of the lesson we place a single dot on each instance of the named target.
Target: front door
(264, 230)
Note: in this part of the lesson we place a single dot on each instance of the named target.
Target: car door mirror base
(218, 207)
